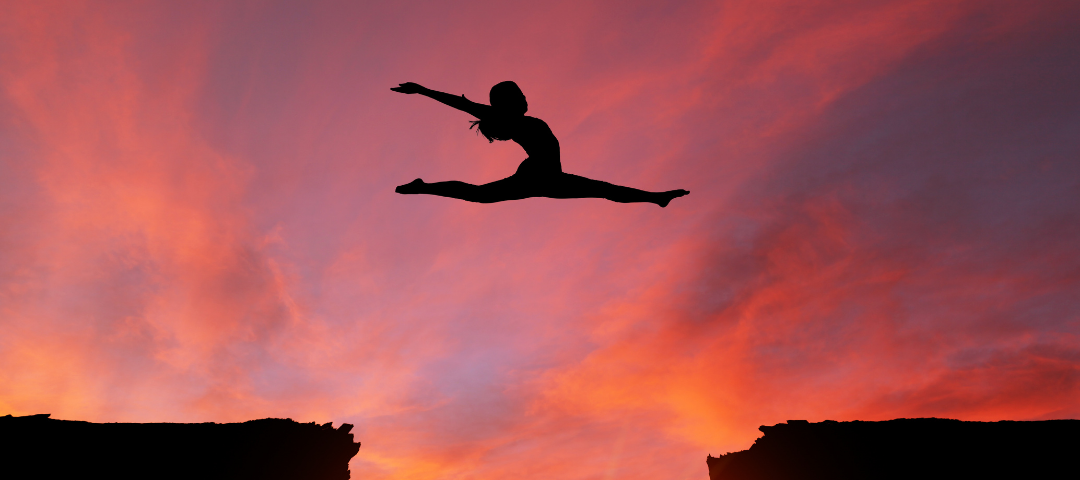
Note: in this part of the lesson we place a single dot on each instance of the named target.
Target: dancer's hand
(409, 87)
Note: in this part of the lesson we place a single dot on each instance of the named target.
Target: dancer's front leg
(411, 188)
(451, 189)
(497, 191)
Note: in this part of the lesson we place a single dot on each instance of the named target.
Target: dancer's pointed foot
(668, 196)
(412, 187)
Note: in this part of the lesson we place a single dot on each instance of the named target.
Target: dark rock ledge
(37, 446)
(922, 448)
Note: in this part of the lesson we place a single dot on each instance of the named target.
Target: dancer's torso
(543, 148)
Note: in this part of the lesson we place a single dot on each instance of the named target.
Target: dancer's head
(508, 102)
(507, 98)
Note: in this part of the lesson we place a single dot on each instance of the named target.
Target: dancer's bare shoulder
(536, 123)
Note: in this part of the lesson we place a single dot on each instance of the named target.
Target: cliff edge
(37, 446)
(923, 448)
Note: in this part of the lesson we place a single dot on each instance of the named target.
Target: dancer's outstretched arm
(478, 110)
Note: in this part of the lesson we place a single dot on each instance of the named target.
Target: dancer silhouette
(540, 175)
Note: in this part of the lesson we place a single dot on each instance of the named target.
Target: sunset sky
(198, 223)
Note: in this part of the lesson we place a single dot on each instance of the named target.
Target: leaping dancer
(540, 175)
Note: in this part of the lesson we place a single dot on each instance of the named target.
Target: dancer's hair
(507, 102)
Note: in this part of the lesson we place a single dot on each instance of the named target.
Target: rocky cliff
(37, 446)
(923, 448)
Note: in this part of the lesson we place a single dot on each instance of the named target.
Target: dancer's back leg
(569, 185)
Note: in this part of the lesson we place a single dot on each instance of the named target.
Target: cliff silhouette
(924, 448)
(37, 446)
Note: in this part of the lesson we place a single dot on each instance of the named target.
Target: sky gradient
(198, 223)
